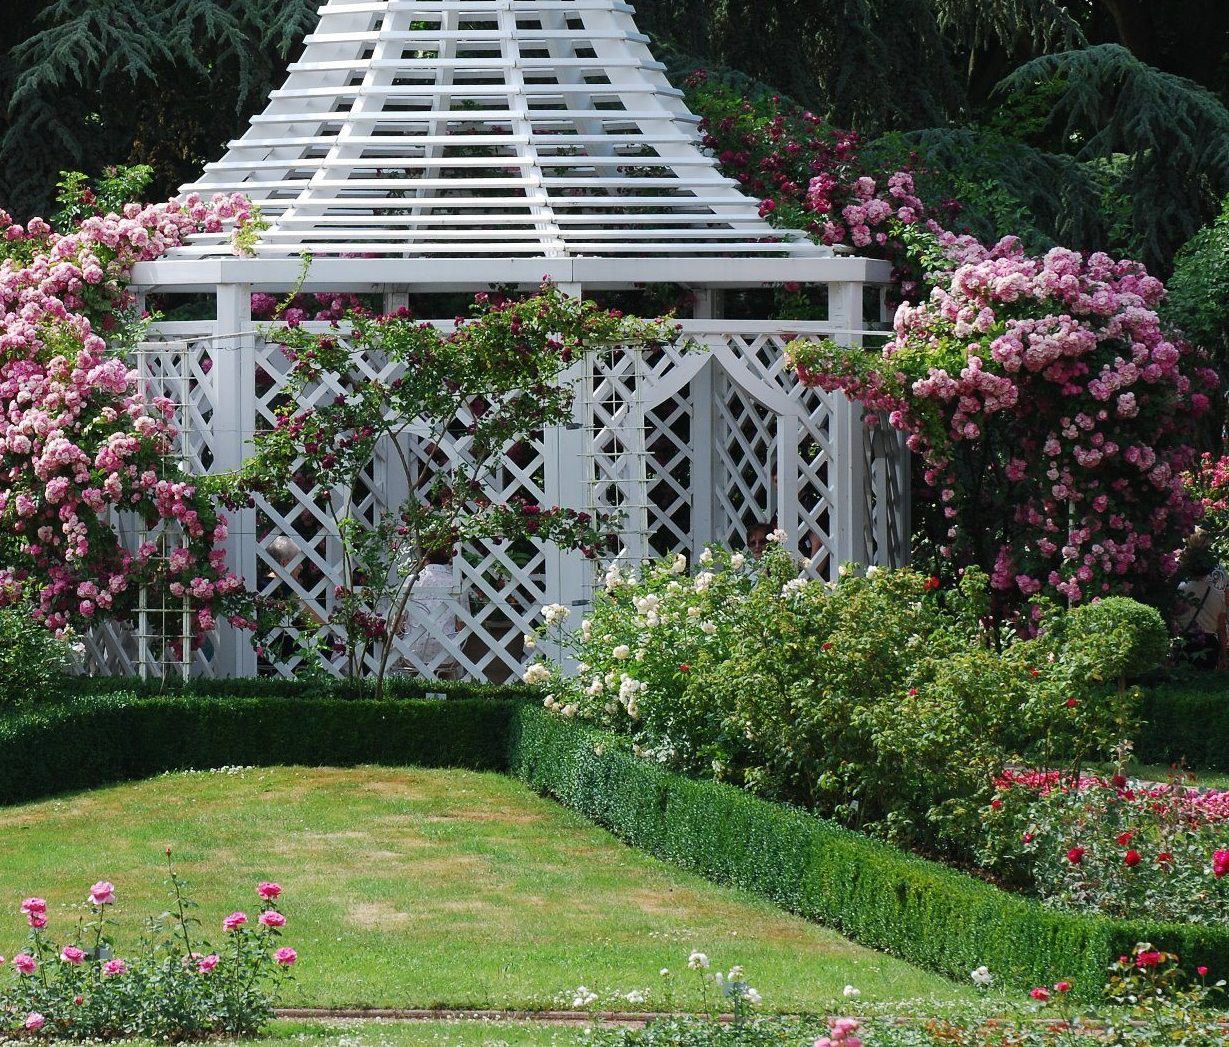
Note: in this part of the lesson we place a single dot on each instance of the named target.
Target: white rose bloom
(793, 586)
(536, 674)
(664, 972)
(736, 974)
(583, 667)
(646, 604)
(621, 652)
(779, 535)
(707, 555)
(531, 641)
(851, 992)
(982, 977)
(614, 578)
(694, 612)
(843, 570)
(596, 687)
(570, 710)
(697, 961)
(753, 997)
(555, 613)
(640, 655)
(872, 571)
(653, 620)
(636, 996)
(586, 629)
(679, 565)
(704, 580)
(583, 997)
(708, 628)
(738, 561)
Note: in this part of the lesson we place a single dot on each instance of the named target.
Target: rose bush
(1104, 844)
(878, 700)
(1052, 413)
(175, 985)
(80, 449)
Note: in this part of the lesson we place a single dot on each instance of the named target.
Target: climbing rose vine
(1051, 411)
(79, 446)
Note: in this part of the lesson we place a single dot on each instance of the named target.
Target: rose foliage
(1052, 411)
(178, 983)
(880, 701)
(81, 452)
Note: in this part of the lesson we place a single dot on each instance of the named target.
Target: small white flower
(736, 974)
(697, 961)
(679, 565)
(531, 641)
(704, 580)
(738, 561)
(536, 674)
(570, 710)
(621, 652)
(779, 535)
(614, 578)
(982, 977)
(646, 604)
(708, 628)
(636, 996)
(706, 556)
(843, 570)
(752, 996)
(872, 571)
(793, 586)
(596, 687)
(664, 972)
(555, 613)
(850, 991)
(583, 997)
(586, 629)
(694, 612)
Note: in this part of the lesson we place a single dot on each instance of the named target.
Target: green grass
(460, 1033)
(415, 888)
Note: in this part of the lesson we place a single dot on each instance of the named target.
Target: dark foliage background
(1097, 123)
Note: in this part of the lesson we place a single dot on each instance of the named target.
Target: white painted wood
(525, 110)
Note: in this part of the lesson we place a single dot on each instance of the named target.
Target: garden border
(913, 908)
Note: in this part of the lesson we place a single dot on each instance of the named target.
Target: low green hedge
(396, 686)
(96, 739)
(1187, 720)
(918, 910)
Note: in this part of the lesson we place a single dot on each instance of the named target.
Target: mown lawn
(417, 888)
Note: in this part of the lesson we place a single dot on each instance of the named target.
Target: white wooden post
(848, 445)
(565, 454)
(708, 306)
(234, 422)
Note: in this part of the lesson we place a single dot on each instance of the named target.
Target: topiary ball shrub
(1117, 637)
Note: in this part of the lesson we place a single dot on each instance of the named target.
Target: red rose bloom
(1076, 855)
(1132, 858)
(1125, 838)
(1149, 958)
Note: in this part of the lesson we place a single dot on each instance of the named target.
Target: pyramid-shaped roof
(483, 128)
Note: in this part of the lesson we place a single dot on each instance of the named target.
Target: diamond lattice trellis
(693, 447)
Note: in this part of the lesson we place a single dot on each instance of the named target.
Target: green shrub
(879, 701)
(919, 910)
(32, 661)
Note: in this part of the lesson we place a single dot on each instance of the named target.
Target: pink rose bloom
(114, 968)
(37, 920)
(102, 893)
(234, 921)
(72, 954)
(25, 963)
(273, 918)
(37, 906)
(286, 957)
(35, 1021)
(268, 892)
(207, 963)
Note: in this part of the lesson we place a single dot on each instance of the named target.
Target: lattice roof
(484, 128)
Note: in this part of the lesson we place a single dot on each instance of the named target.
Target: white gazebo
(435, 146)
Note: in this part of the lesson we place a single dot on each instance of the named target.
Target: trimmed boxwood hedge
(1187, 720)
(96, 739)
(916, 909)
